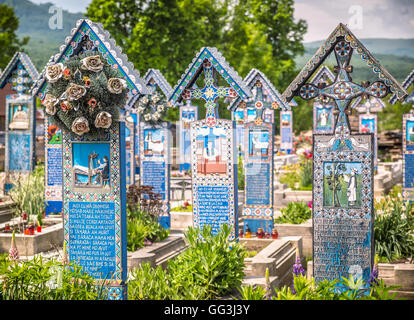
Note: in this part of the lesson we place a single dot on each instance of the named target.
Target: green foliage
(295, 213)
(307, 289)
(29, 194)
(301, 175)
(188, 208)
(264, 34)
(240, 173)
(9, 42)
(39, 279)
(306, 174)
(166, 34)
(143, 228)
(252, 293)
(394, 228)
(211, 267)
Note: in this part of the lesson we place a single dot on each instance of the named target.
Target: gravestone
(94, 177)
(213, 161)
(407, 141)
(408, 156)
(20, 121)
(323, 109)
(343, 214)
(258, 205)
(53, 168)
(238, 116)
(155, 142)
(286, 131)
(368, 120)
(130, 149)
(188, 114)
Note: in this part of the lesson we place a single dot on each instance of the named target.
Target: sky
(366, 18)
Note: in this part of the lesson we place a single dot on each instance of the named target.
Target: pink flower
(310, 204)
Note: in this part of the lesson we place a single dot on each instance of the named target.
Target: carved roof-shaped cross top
(342, 90)
(210, 63)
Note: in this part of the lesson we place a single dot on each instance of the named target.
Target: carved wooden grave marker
(188, 114)
(20, 119)
(368, 120)
(94, 177)
(407, 141)
(130, 149)
(214, 169)
(239, 116)
(286, 131)
(259, 145)
(323, 109)
(155, 142)
(343, 214)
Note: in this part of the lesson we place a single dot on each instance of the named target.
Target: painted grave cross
(155, 143)
(343, 163)
(20, 119)
(84, 89)
(323, 109)
(258, 150)
(188, 114)
(214, 174)
(368, 120)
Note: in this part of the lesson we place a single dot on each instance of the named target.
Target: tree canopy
(9, 42)
(166, 34)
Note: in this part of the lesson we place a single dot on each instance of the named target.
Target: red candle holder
(26, 232)
(260, 233)
(7, 227)
(275, 234)
(39, 228)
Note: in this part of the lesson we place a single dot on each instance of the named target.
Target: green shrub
(142, 229)
(211, 267)
(301, 175)
(29, 194)
(307, 289)
(393, 228)
(306, 175)
(295, 213)
(40, 279)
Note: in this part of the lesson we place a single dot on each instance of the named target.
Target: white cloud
(74, 6)
(380, 18)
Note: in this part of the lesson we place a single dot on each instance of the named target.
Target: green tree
(262, 34)
(9, 42)
(166, 34)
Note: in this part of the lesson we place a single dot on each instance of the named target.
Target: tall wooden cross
(343, 90)
(210, 93)
(343, 181)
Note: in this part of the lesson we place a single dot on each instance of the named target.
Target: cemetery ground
(175, 264)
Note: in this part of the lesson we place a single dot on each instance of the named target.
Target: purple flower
(373, 277)
(297, 270)
(297, 267)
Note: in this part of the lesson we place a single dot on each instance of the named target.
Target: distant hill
(34, 22)
(391, 53)
(396, 47)
(396, 55)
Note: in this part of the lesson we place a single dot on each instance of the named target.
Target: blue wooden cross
(209, 93)
(343, 90)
